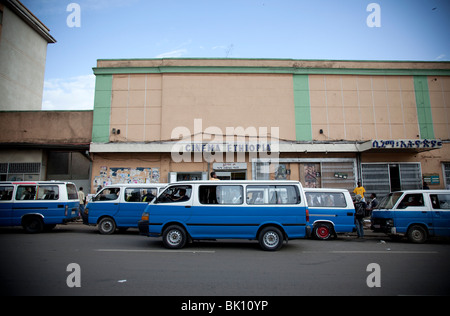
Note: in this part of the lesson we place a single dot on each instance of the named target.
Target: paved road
(129, 264)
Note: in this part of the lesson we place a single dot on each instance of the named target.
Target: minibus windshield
(390, 200)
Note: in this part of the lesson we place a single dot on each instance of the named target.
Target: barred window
(24, 168)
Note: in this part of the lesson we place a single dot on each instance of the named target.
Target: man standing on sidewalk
(82, 198)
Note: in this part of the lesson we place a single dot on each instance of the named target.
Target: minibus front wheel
(174, 237)
(417, 234)
(106, 226)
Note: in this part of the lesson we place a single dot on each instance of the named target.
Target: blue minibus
(331, 212)
(120, 206)
(416, 214)
(268, 211)
(38, 205)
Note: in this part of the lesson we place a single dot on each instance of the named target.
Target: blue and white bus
(416, 214)
(331, 212)
(268, 211)
(120, 206)
(38, 205)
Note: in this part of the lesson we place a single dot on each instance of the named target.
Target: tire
(323, 231)
(174, 237)
(271, 238)
(33, 225)
(417, 234)
(107, 226)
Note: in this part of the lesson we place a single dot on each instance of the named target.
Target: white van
(331, 211)
(267, 211)
(416, 214)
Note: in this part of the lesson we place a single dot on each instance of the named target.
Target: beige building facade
(325, 123)
(23, 52)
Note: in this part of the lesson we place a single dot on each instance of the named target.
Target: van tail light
(307, 215)
(145, 216)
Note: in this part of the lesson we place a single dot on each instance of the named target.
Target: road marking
(375, 251)
(157, 251)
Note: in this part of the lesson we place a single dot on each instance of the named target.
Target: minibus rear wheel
(174, 237)
(323, 231)
(32, 224)
(271, 238)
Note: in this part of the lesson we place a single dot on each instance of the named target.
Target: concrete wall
(23, 54)
(46, 127)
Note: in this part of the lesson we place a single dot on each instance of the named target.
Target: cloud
(75, 93)
(440, 57)
(174, 53)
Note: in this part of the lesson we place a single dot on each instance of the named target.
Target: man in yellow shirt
(359, 190)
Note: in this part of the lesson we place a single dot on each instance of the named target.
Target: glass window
(26, 192)
(326, 199)
(411, 200)
(221, 194)
(108, 194)
(140, 194)
(272, 194)
(48, 192)
(72, 191)
(440, 201)
(178, 193)
(6, 193)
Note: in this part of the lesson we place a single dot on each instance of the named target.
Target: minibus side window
(140, 194)
(108, 194)
(440, 201)
(48, 192)
(175, 194)
(326, 199)
(26, 192)
(221, 194)
(72, 193)
(411, 200)
(272, 194)
(6, 193)
(149, 194)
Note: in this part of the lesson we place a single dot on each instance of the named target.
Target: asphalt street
(129, 264)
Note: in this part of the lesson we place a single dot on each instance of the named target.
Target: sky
(416, 30)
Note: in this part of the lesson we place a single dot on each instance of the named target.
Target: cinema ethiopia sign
(237, 148)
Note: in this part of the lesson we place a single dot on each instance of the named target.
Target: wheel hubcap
(323, 232)
(271, 239)
(106, 226)
(174, 237)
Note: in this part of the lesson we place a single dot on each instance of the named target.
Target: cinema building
(325, 123)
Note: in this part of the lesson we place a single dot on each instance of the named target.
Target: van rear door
(6, 202)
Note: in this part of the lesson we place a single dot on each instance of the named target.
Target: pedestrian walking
(360, 210)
